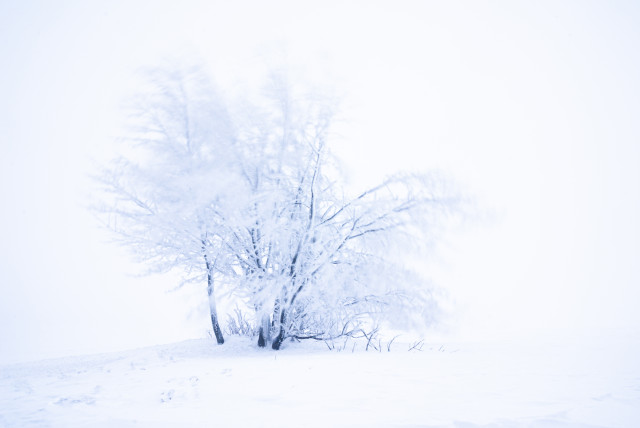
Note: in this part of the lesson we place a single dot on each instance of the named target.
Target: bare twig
(390, 342)
(417, 346)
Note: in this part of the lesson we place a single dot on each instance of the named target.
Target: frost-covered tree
(247, 194)
(163, 198)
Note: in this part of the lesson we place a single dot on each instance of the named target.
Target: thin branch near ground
(373, 334)
(417, 346)
(390, 342)
(314, 337)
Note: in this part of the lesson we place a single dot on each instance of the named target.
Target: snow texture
(550, 383)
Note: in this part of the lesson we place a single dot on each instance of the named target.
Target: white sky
(533, 106)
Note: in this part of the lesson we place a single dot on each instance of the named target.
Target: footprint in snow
(167, 396)
(72, 401)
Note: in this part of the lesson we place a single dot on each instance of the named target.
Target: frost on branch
(246, 196)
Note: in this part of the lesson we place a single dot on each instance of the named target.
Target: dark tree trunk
(212, 304)
(277, 342)
(264, 334)
(216, 328)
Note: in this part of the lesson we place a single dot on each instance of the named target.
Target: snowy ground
(546, 383)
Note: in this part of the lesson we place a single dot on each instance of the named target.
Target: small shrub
(239, 325)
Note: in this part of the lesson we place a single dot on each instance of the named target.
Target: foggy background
(532, 107)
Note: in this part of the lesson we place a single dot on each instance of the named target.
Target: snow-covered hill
(199, 384)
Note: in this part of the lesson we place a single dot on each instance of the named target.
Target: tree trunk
(277, 342)
(212, 306)
(264, 335)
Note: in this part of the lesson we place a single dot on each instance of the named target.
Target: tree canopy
(245, 193)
